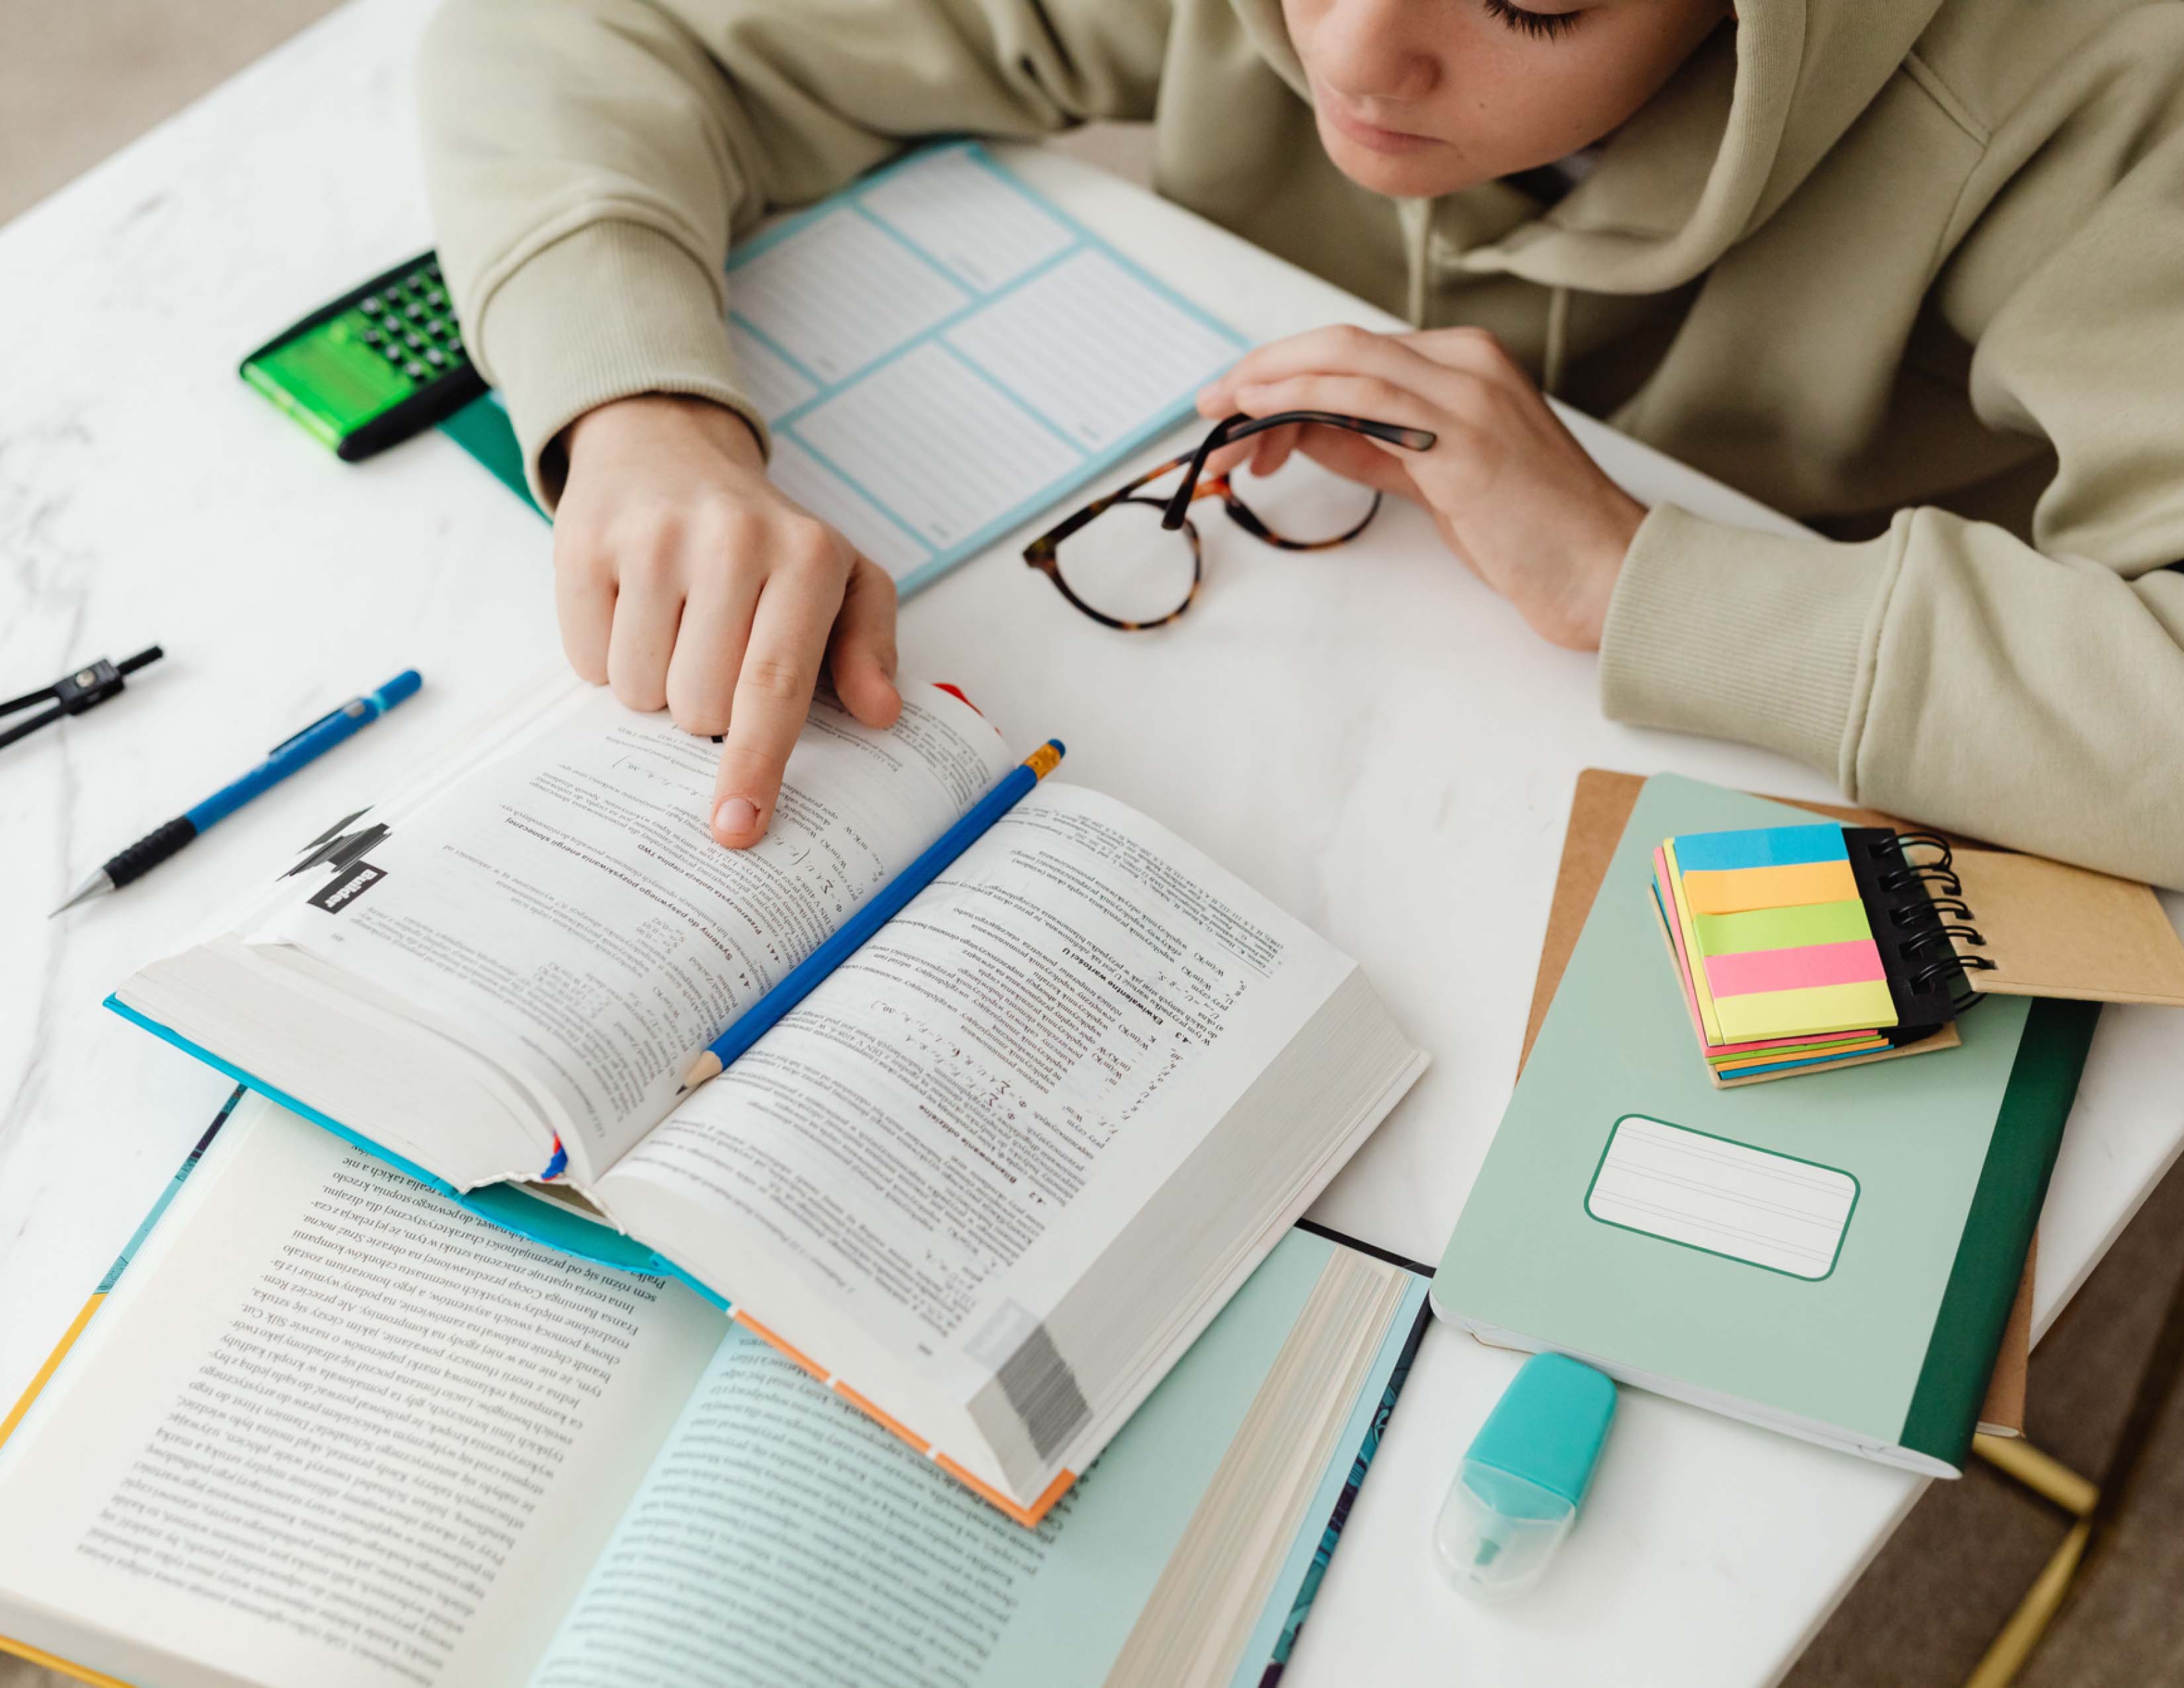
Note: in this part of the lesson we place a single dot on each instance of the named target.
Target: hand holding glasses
(1131, 560)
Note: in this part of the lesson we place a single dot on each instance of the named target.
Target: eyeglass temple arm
(1240, 427)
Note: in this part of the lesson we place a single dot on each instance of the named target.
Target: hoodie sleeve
(2031, 694)
(588, 160)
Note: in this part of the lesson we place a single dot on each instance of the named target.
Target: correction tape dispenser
(1524, 1477)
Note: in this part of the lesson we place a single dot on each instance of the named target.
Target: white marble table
(1371, 738)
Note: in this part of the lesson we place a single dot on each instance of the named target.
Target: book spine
(1945, 1405)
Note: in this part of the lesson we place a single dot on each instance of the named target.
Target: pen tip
(90, 887)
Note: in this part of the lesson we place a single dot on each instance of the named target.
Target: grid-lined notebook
(941, 351)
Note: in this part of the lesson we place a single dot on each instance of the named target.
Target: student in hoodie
(1911, 270)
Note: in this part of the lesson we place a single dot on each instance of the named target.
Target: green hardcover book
(1834, 1258)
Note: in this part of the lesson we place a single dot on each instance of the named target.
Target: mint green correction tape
(1524, 1476)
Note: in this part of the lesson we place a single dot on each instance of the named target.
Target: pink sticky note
(1854, 962)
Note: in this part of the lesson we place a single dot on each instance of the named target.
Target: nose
(1369, 50)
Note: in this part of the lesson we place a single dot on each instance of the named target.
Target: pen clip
(339, 709)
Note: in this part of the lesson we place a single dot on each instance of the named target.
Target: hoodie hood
(1709, 159)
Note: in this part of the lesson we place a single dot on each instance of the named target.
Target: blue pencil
(763, 1014)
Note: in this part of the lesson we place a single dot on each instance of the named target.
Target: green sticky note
(1788, 928)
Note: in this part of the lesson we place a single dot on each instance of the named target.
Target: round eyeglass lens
(1124, 564)
(1302, 503)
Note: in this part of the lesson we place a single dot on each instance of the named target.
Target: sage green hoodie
(1888, 265)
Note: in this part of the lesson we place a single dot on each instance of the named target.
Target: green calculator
(375, 366)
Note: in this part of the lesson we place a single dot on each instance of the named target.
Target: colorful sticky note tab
(1816, 1008)
(1738, 889)
(1760, 847)
(1810, 965)
(1797, 1050)
(1730, 935)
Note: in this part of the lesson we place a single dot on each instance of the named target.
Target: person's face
(1420, 98)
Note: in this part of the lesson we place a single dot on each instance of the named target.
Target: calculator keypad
(411, 322)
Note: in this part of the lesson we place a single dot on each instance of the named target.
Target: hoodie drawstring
(1417, 216)
(1558, 341)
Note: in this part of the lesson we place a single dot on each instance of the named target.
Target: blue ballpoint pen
(284, 758)
(853, 931)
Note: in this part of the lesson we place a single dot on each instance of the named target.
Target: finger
(1338, 350)
(862, 655)
(1275, 447)
(1348, 395)
(1213, 399)
(773, 695)
(584, 604)
(1225, 461)
(709, 650)
(1474, 350)
(647, 608)
(1238, 453)
(1355, 457)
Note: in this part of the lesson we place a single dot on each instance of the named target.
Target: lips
(1371, 135)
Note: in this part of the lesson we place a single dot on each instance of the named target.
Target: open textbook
(989, 1179)
(331, 1430)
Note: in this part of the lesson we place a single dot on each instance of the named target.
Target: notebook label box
(1722, 1197)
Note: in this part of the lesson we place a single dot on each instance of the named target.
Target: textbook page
(564, 912)
(784, 1538)
(941, 352)
(906, 1174)
(331, 1429)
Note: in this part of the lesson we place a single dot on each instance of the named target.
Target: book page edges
(568, 1233)
(1025, 1515)
(1804, 1429)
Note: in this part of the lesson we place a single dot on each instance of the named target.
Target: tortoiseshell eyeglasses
(1131, 561)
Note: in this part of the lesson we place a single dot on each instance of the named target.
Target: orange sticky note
(1737, 890)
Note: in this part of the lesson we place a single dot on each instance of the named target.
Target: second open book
(988, 1180)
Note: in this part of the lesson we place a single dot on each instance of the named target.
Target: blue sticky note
(1760, 847)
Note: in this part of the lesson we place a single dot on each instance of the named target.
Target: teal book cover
(1834, 1255)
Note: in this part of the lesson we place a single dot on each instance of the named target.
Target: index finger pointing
(773, 695)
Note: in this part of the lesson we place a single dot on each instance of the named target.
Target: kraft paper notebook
(1836, 1258)
(1600, 808)
(321, 1428)
(989, 1178)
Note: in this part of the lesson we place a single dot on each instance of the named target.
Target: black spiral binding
(1915, 905)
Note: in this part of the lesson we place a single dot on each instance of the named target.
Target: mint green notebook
(1834, 1258)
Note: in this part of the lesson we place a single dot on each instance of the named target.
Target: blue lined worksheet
(941, 352)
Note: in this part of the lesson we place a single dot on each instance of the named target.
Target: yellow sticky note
(1816, 1008)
